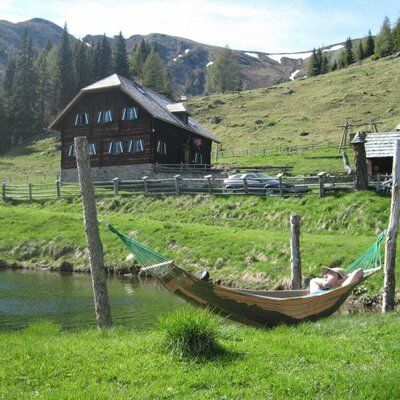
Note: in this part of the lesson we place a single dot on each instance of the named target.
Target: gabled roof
(154, 103)
(381, 144)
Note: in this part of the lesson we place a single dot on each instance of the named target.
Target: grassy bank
(240, 239)
(344, 357)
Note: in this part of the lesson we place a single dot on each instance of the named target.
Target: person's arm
(354, 277)
(316, 284)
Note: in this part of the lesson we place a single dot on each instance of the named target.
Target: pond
(29, 296)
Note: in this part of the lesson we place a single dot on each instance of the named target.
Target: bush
(190, 333)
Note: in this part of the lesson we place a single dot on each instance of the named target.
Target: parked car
(259, 184)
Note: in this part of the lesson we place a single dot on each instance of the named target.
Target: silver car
(259, 184)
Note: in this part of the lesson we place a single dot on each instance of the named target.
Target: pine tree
(224, 74)
(342, 61)
(81, 65)
(8, 81)
(314, 64)
(44, 92)
(349, 52)
(384, 40)
(324, 64)
(24, 112)
(155, 74)
(120, 55)
(5, 137)
(138, 58)
(360, 51)
(370, 45)
(65, 87)
(334, 66)
(102, 59)
(396, 36)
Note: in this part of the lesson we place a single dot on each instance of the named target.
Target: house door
(186, 154)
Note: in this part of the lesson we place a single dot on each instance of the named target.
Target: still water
(30, 296)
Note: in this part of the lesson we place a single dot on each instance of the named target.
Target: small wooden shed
(379, 149)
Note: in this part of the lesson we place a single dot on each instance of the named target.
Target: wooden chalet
(129, 128)
(379, 149)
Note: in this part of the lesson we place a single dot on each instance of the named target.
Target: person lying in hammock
(334, 278)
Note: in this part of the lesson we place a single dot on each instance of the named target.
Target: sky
(271, 26)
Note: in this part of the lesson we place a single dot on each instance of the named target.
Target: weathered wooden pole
(391, 236)
(360, 159)
(101, 301)
(295, 258)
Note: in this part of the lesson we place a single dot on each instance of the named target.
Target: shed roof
(156, 104)
(379, 145)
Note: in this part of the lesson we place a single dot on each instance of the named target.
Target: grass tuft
(190, 333)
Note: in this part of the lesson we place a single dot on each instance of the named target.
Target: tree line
(386, 42)
(37, 85)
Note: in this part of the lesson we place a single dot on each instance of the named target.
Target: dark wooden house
(129, 128)
(379, 149)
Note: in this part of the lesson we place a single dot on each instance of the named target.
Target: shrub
(190, 333)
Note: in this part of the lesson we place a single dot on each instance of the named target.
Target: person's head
(333, 277)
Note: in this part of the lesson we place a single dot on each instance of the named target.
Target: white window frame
(161, 147)
(130, 113)
(81, 119)
(115, 147)
(71, 150)
(104, 117)
(136, 146)
(92, 149)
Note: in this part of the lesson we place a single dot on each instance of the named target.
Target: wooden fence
(178, 185)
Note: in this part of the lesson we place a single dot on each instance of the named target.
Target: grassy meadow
(344, 357)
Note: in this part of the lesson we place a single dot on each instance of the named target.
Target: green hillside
(268, 119)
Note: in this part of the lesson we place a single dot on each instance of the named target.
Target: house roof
(159, 106)
(381, 144)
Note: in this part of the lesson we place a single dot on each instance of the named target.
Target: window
(198, 158)
(91, 150)
(130, 113)
(71, 150)
(81, 119)
(103, 117)
(115, 148)
(136, 146)
(161, 147)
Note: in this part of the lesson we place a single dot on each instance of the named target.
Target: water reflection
(29, 296)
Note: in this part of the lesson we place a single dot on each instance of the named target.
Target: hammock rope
(146, 257)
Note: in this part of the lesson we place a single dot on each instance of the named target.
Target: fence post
(378, 182)
(181, 169)
(116, 186)
(389, 287)
(30, 191)
(321, 178)
(145, 184)
(279, 176)
(177, 184)
(58, 189)
(208, 177)
(246, 186)
(3, 191)
(295, 259)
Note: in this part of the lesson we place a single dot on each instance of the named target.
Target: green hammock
(260, 307)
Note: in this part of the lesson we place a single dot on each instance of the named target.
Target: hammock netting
(369, 261)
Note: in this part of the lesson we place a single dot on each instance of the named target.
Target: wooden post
(391, 236)
(208, 177)
(321, 178)
(279, 176)
(146, 188)
(360, 158)
(378, 182)
(116, 186)
(30, 191)
(3, 191)
(295, 259)
(58, 189)
(177, 177)
(101, 301)
(246, 186)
